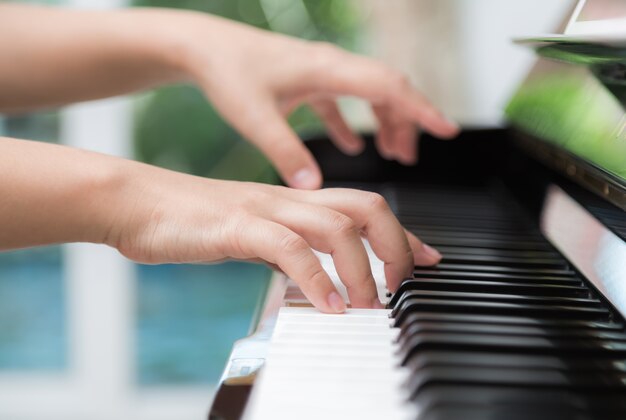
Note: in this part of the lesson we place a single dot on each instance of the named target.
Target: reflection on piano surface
(524, 316)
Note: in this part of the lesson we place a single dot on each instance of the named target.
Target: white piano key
(331, 367)
(376, 264)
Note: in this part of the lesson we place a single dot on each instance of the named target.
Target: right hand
(168, 217)
(257, 78)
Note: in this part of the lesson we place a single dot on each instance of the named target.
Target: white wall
(459, 52)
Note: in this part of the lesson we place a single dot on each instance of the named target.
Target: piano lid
(574, 100)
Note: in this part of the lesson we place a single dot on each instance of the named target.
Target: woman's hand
(153, 215)
(255, 78)
(171, 217)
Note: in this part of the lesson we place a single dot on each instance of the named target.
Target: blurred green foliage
(177, 128)
(575, 112)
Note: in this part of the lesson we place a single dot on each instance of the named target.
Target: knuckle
(292, 244)
(324, 110)
(253, 199)
(376, 202)
(341, 225)
(398, 79)
(323, 56)
(317, 277)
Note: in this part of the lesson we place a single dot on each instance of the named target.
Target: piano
(524, 318)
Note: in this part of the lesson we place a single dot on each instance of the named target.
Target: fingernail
(354, 149)
(305, 179)
(431, 251)
(336, 302)
(377, 305)
(387, 155)
(452, 123)
(407, 160)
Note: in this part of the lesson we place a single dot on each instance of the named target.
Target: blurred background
(84, 333)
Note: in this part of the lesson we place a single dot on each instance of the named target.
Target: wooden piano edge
(247, 357)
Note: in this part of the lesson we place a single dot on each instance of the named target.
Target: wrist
(172, 44)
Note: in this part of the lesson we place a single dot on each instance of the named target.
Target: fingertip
(336, 303)
(355, 148)
(450, 132)
(377, 305)
(407, 160)
(306, 179)
(432, 252)
(427, 255)
(446, 128)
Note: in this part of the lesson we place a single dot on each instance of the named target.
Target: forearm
(54, 56)
(54, 194)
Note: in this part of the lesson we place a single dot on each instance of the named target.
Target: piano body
(525, 315)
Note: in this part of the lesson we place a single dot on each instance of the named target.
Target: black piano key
(499, 297)
(408, 330)
(460, 275)
(455, 233)
(509, 344)
(423, 316)
(510, 377)
(498, 308)
(495, 252)
(442, 267)
(510, 227)
(518, 399)
(520, 361)
(481, 240)
(473, 412)
(458, 258)
(527, 289)
(484, 231)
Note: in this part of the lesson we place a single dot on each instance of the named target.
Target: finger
(371, 212)
(279, 245)
(423, 254)
(262, 123)
(341, 134)
(423, 112)
(384, 136)
(399, 140)
(406, 143)
(370, 79)
(333, 233)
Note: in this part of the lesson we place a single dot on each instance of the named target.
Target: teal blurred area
(189, 316)
(33, 333)
(186, 318)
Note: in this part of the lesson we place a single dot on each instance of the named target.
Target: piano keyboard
(503, 327)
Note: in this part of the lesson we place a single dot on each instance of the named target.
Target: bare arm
(52, 194)
(54, 56)
(253, 77)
